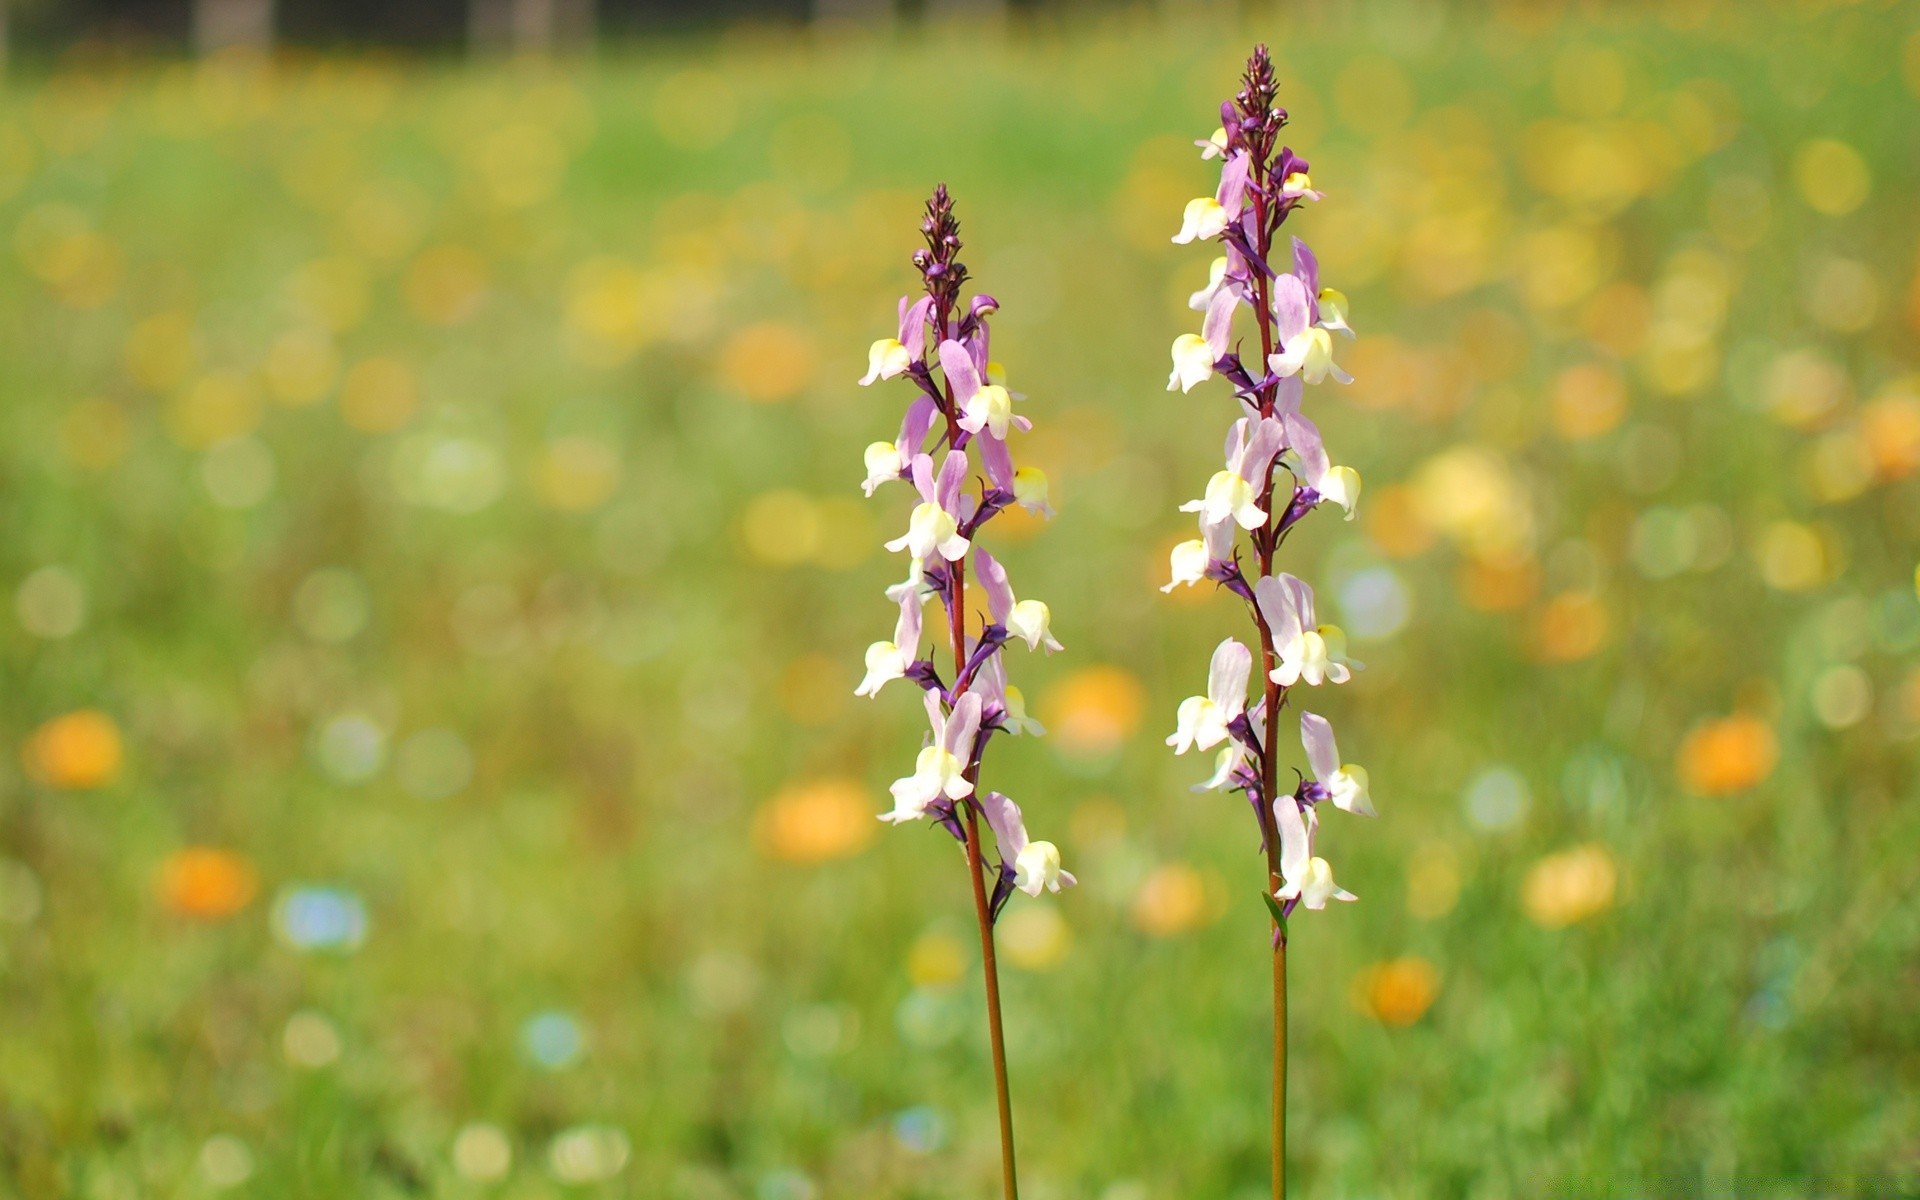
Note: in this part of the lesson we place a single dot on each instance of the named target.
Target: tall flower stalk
(960, 404)
(1276, 472)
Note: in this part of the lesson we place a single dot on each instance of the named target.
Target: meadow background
(426, 778)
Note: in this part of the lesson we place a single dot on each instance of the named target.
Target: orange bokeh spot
(1498, 586)
(1570, 886)
(816, 822)
(206, 884)
(1727, 755)
(1398, 991)
(1093, 711)
(1392, 521)
(1891, 429)
(79, 750)
(768, 362)
(1572, 626)
(1174, 899)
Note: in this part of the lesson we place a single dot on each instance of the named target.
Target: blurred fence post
(876, 14)
(529, 26)
(218, 24)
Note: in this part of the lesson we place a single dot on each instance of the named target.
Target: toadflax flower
(941, 769)
(887, 661)
(958, 404)
(1314, 653)
(1035, 865)
(1203, 720)
(1278, 470)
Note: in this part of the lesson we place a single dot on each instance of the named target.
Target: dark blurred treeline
(35, 25)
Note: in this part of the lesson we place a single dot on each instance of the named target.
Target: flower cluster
(961, 402)
(1261, 184)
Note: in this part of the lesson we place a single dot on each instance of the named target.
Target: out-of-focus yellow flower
(214, 408)
(1843, 295)
(385, 219)
(1092, 711)
(1890, 426)
(1498, 585)
(936, 960)
(816, 822)
(781, 527)
(1175, 898)
(301, 366)
(1469, 493)
(1793, 557)
(160, 352)
(332, 291)
(205, 883)
(846, 532)
(1840, 466)
(1617, 317)
(1561, 264)
(1832, 177)
(1572, 626)
(576, 474)
(1599, 167)
(1573, 885)
(1704, 114)
(1393, 522)
(445, 285)
(1588, 400)
(1726, 755)
(79, 750)
(79, 264)
(1803, 388)
(768, 362)
(1396, 992)
(517, 164)
(1035, 937)
(95, 434)
(379, 395)
(605, 310)
(813, 689)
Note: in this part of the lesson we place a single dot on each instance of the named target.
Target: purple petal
(1227, 675)
(1003, 817)
(953, 473)
(1304, 436)
(1218, 326)
(993, 577)
(1232, 192)
(957, 361)
(1316, 734)
(962, 726)
(913, 325)
(923, 476)
(995, 457)
(1290, 308)
(914, 426)
(1306, 266)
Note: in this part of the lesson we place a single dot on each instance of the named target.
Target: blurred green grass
(466, 802)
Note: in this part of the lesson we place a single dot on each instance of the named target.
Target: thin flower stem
(976, 865)
(1009, 1184)
(1268, 544)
